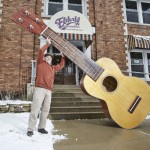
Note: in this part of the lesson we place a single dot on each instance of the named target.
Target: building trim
(1, 10)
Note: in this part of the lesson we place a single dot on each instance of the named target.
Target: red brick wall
(142, 30)
(17, 49)
(109, 30)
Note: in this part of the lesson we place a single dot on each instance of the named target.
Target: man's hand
(62, 54)
(48, 41)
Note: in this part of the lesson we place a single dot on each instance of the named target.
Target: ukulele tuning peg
(31, 27)
(27, 13)
(37, 20)
(20, 19)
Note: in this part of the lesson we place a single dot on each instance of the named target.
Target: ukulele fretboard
(74, 54)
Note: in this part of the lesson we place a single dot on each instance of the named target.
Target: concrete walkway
(101, 135)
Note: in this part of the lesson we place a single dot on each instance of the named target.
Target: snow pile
(5, 102)
(148, 116)
(13, 134)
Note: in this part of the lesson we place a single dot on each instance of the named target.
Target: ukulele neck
(92, 69)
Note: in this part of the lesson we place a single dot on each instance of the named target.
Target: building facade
(121, 31)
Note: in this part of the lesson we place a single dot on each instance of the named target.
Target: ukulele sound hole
(110, 83)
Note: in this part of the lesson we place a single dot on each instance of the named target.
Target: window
(33, 72)
(131, 11)
(137, 64)
(55, 6)
(140, 64)
(148, 59)
(75, 5)
(146, 12)
(138, 11)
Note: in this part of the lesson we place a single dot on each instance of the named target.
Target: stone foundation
(16, 108)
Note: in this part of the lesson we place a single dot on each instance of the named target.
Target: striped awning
(82, 37)
(136, 41)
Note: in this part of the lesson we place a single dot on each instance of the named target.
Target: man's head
(48, 58)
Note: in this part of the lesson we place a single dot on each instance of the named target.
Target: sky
(13, 128)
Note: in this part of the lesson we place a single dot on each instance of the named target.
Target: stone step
(70, 102)
(57, 86)
(76, 115)
(76, 109)
(68, 90)
(76, 103)
(74, 94)
(81, 99)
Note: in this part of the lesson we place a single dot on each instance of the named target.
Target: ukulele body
(127, 98)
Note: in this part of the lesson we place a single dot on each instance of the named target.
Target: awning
(72, 25)
(83, 37)
(136, 41)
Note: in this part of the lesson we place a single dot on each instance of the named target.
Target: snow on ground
(148, 116)
(13, 128)
(5, 102)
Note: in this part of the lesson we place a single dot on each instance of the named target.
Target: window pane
(136, 58)
(54, 8)
(75, 1)
(148, 59)
(76, 8)
(132, 13)
(146, 12)
(132, 16)
(137, 68)
(58, 1)
(137, 64)
(131, 5)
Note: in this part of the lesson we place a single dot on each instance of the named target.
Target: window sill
(46, 16)
(140, 24)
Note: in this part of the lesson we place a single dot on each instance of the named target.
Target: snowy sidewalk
(13, 136)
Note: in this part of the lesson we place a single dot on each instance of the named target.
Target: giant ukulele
(126, 100)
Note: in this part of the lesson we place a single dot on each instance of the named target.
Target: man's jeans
(41, 101)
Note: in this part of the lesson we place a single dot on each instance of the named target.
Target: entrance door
(70, 74)
(67, 74)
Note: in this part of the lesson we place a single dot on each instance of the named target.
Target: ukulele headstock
(29, 21)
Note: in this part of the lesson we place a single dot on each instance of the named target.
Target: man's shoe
(43, 131)
(29, 133)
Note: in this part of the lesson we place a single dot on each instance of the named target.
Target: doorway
(70, 74)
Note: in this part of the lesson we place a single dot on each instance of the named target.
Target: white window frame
(139, 9)
(65, 7)
(145, 63)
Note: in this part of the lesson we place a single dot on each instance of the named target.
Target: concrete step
(81, 99)
(76, 109)
(76, 115)
(67, 90)
(73, 94)
(57, 86)
(70, 102)
(74, 103)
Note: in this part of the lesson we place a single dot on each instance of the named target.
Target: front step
(69, 102)
(76, 115)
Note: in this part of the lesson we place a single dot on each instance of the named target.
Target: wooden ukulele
(125, 99)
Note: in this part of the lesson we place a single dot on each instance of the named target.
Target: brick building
(122, 33)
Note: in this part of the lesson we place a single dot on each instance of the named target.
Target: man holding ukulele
(45, 75)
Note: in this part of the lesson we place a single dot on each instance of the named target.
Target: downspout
(94, 5)
(33, 56)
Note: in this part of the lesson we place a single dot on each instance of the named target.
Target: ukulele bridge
(134, 104)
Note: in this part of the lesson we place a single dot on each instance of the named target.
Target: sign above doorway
(70, 21)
